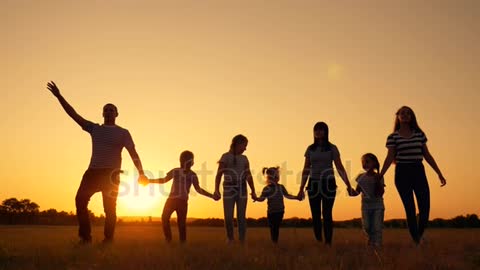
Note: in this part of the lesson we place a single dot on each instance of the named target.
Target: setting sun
(138, 200)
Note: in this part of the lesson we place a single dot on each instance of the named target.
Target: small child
(372, 189)
(274, 192)
(183, 179)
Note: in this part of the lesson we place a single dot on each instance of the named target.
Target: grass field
(143, 247)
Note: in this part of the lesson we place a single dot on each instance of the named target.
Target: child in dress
(371, 186)
(274, 193)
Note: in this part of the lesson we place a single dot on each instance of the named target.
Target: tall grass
(143, 247)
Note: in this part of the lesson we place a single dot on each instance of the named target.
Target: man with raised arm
(102, 174)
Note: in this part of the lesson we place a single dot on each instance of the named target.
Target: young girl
(274, 192)
(183, 179)
(235, 168)
(372, 188)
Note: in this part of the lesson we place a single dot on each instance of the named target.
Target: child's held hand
(143, 180)
(353, 193)
(350, 191)
(216, 196)
(301, 195)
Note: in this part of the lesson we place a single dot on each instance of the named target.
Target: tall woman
(407, 146)
(321, 188)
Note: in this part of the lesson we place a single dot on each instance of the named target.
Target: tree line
(14, 211)
(27, 212)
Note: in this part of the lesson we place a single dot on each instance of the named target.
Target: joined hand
(143, 180)
(216, 195)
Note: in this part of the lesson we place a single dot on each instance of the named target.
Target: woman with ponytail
(235, 169)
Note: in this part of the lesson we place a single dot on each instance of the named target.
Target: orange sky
(192, 74)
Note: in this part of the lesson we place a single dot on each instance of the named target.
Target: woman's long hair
(316, 142)
(413, 121)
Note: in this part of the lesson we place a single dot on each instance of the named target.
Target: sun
(335, 71)
(137, 200)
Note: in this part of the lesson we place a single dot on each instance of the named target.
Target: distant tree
(23, 211)
(29, 207)
(11, 206)
(14, 211)
(438, 223)
(395, 223)
(473, 221)
(210, 222)
(459, 222)
(50, 212)
(469, 221)
(15, 206)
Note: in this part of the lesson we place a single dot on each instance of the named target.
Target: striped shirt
(107, 145)
(408, 150)
(274, 194)
(182, 181)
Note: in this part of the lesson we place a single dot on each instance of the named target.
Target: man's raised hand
(53, 88)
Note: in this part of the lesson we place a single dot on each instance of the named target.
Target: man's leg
(87, 188)
(109, 195)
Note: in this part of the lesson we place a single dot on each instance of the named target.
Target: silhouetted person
(322, 188)
(102, 174)
(235, 168)
(371, 186)
(407, 146)
(274, 193)
(183, 179)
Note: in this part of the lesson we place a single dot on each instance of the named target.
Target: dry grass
(43, 247)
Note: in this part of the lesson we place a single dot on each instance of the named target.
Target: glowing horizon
(191, 76)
